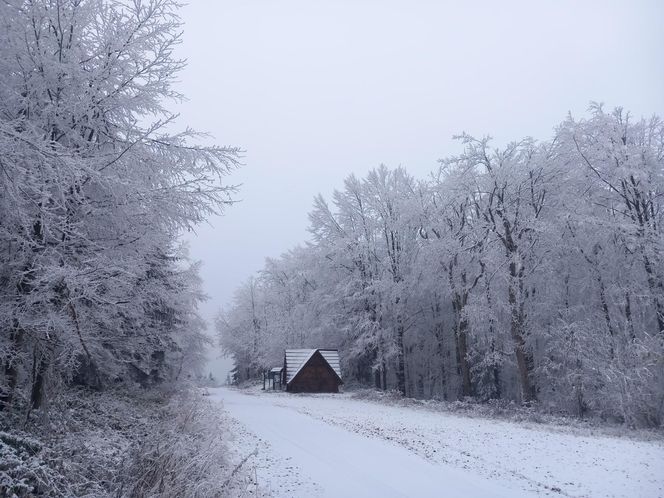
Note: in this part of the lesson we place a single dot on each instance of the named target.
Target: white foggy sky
(314, 90)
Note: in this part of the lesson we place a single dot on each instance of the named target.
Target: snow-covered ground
(334, 445)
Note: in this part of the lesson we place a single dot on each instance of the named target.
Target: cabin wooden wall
(316, 377)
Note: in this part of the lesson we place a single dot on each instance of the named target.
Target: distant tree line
(532, 272)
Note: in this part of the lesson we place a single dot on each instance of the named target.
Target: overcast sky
(316, 90)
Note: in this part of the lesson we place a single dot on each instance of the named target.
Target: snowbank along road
(336, 446)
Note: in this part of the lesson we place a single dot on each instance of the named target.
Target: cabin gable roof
(297, 359)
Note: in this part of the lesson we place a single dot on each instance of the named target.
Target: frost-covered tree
(455, 240)
(95, 190)
(612, 283)
(510, 191)
(372, 238)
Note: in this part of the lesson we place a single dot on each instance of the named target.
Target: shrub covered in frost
(184, 454)
(122, 443)
(23, 472)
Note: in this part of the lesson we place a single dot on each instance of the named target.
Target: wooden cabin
(312, 371)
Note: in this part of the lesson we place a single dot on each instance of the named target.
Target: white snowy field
(333, 445)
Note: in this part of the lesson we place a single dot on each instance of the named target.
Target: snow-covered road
(333, 445)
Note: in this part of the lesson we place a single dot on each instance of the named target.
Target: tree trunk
(524, 362)
(628, 316)
(38, 382)
(440, 344)
(524, 358)
(605, 310)
(497, 392)
(461, 339)
(655, 288)
(466, 384)
(11, 376)
(401, 367)
(496, 370)
(10, 367)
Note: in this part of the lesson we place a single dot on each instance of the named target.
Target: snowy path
(332, 445)
(344, 464)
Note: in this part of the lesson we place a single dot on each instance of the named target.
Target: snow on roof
(276, 369)
(297, 358)
(332, 357)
